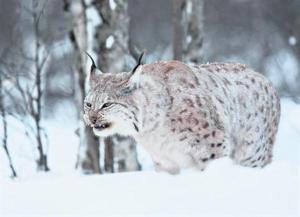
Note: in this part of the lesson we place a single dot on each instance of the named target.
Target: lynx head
(109, 107)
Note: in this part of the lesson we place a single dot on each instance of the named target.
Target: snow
(112, 4)
(109, 42)
(62, 150)
(188, 39)
(292, 40)
(189, 7)
(224, 189)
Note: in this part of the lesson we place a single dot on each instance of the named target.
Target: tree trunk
(111, 45)
(193, 42)
(42, 163)
(126, 155)
(188, 30)
(89, 156)
(88, 160)
(109, 155)
(178, 9)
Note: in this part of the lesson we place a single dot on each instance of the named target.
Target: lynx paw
(171, 170)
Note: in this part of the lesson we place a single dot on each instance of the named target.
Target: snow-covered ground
(223, 189)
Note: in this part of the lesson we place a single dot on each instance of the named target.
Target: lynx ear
(135, 75)
(134, 82)
(94, 72)
(139, 61)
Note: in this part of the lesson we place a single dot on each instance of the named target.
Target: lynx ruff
(186, 116)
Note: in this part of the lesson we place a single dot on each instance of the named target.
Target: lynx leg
(200, 165)
(169, 167)
(253, 153)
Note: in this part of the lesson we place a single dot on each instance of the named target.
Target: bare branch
(5, 133)
(41, 11)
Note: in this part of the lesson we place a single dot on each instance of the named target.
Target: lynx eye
(107, 104)
(89, 105)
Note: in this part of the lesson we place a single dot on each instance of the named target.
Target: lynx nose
(93, 119)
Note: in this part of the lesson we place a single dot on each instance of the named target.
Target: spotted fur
(187, 116)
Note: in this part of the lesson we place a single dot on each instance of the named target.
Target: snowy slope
(223, 189)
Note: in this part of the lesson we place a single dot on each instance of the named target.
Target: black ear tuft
(94, 72)
(93, 67)
(138, 62)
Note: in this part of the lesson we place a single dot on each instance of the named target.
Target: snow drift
(224, 189)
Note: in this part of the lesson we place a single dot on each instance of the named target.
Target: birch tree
(29, 82)
(88, 159)
(111, 45)
(188, 30)
(4, 126)
(40, 57)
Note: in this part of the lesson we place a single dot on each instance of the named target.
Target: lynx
(187, 115)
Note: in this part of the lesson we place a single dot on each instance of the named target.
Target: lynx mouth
(102, 126)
